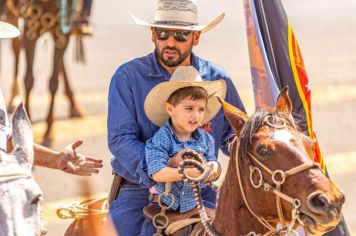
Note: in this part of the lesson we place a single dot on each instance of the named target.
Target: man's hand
(74, 163)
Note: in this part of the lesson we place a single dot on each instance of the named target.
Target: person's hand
(74, 163)
(216, 170)
(192, 172)
(176, 159)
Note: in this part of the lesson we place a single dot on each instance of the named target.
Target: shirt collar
(156, 70)
(195, 135)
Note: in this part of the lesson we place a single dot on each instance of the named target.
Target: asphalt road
(326, 33)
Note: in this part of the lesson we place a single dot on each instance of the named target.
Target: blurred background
(326, 32)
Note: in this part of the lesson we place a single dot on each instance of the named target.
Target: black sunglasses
(179, 36)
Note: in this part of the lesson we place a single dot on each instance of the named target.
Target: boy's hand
(216, 171)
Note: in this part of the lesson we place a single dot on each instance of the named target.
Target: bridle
(278, 178)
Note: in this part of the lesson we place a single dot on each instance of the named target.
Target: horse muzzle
(324, 212)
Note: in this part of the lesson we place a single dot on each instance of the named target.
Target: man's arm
(66, 160)
(233, 98)
(123, 132)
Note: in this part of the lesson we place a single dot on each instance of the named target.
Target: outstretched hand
(77, 164)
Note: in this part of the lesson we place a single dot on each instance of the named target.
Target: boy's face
(187, 115)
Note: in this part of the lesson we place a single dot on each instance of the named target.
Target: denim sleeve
(157, 152)
(210, 143)
(123, 132)
(233, 98)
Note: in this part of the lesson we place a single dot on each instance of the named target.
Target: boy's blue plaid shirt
(164, 145)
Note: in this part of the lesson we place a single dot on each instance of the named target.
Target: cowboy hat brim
(8, 31)
(202, 28)
(156, 99)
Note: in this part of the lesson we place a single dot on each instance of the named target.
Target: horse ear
(235, 116)
(22, 138)
(284, 103)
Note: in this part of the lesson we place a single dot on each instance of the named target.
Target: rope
(175, 226)
(80, 210)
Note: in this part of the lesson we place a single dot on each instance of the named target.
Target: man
(66, 160)
(174, 32)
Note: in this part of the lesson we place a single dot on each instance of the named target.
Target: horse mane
(256, 121)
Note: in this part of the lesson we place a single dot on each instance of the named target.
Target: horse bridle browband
(278, 178)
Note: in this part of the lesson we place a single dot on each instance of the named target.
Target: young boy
(180, 107)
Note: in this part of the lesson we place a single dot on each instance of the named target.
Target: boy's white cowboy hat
(182, 14)
(8, 31)
(183, 76)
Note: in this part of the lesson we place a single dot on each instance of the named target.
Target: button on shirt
(128, 126)
(165, 145)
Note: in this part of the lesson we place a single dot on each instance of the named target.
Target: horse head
(19, 192)
(275, 177)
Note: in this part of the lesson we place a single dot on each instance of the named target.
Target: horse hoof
(76, 112)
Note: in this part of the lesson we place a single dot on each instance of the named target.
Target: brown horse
(40, 16)
(272, 178)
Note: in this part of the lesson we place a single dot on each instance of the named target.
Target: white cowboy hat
(8, 31)
(183, 76)
(182, 14)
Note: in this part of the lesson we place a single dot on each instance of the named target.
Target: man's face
(174, 46)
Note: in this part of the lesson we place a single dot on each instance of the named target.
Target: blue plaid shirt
(165, 145)
(128, 126)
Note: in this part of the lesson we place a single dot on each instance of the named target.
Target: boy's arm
(166, 174)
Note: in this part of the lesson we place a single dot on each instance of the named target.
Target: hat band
(175, 23)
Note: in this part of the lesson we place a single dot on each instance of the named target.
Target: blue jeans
(209, 200)
(126, 209)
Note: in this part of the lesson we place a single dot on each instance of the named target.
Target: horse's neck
(232, 216)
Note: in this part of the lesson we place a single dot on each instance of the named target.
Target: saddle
(182, 223)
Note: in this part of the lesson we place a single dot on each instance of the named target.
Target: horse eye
(263, 151)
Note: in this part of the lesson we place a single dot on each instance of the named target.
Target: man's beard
(170, 62)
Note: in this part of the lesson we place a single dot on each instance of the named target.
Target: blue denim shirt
(128, 126)
(165, 145)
